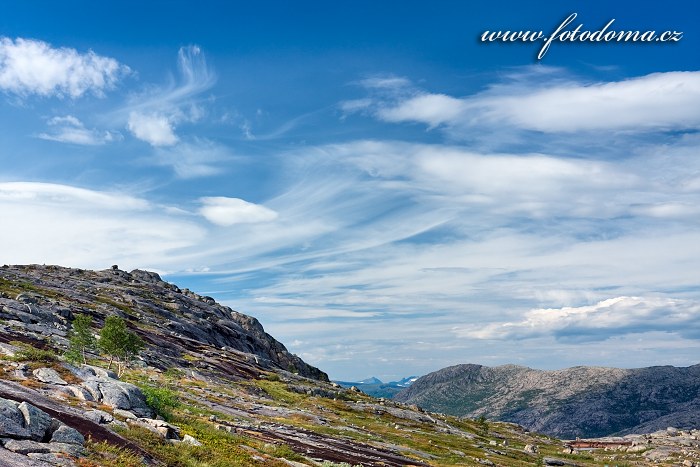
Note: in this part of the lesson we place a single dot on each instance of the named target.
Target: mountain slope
(231, 395)
(174, 322)
(580, 401)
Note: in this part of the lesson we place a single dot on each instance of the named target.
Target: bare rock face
(102, 386)
(28, 431)
(164, 429)
(118, 395)
(575, 402)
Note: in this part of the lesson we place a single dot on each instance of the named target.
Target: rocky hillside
(174, 322)
(580, 401)
(210, 388)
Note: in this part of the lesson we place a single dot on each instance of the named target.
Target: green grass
(108, 455)
(112, 303)
(278, 391)
(29, 353)
(220, 449)
(285, 452)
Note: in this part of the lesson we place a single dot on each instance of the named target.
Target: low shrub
(29, 353)
(161, 400)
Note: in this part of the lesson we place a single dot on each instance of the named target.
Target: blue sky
(387, 193)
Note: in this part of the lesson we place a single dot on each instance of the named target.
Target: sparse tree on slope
(119, 343)
(81, 339)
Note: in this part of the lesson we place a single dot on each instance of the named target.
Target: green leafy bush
(161, 400)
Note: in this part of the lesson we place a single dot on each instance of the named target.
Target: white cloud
(433, 109)
(668, 210)
(176, 98)
(60, 224)
(229, 211)
(600, 321)
(50, 193)
(155, 129)
(30, 66)
(69, 129)
(657, 102)
(413, 240)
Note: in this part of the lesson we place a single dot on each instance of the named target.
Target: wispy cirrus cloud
(29, 66)
(195, 158)
(154, 115)
(429, 239)
(431, 109)
(69, 129)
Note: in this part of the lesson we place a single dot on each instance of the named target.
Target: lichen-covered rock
(66, 434)
(118, 395)
(125, 396)
(98, 416)
(8, 349)
(26, 298)
(530, 449)
(95, 372)
(163, 428)
(11, 420)
(25, 446)
(48, 375)
(78, 392)
(42, 459)
(127, 414)
(37, 421)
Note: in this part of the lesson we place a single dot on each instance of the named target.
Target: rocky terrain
(570, 403)
(211, 388)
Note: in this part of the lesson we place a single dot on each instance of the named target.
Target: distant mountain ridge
(376, 388)
(580, 401)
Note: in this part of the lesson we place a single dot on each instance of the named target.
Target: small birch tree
(119, 343)
(81, 340)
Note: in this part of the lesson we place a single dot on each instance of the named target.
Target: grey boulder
(12, 420)
(48, 375)
(68, 435)
(37, 421)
